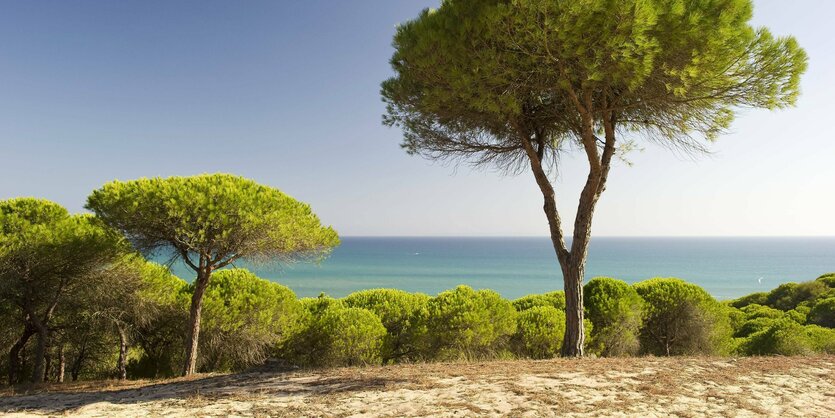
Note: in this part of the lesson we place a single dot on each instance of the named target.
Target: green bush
(468, 324)
(616, 310)
(681, 318)
(753, 326)
(823, 339)
(554, 299)
(759, 311)
(827, 279)
(346, 337)
(758, 298)
(782, 337)
(317, 306)
(823, 313)
(399, 311)
(788, 296)
(244, 319)
(539, 332)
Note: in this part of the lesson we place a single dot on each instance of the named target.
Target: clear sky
(287, 93)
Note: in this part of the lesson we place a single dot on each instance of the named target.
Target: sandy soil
(646, 387)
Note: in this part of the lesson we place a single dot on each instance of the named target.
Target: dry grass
(685, 387)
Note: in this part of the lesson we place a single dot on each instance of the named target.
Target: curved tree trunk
(15, 363)
(193, 335)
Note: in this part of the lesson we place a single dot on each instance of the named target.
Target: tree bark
(76, 365)
(121, 367)
(40, 352)
(62, 364)
(47, 361)
(15, 366)
(193, 336)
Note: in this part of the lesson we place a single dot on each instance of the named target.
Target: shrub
(616, 310)
(823, 339)
(554, 299)
(823, 313)
(758, 298)
(539, 332)
(788, 296)
(827, 279)
(317, 306)
(753, 326)
(782, 337)
(759, 311)
(398, 312)
(244, 319)
(681, 318)
(464, 323)
(346, 337)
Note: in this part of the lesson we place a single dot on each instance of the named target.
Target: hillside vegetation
(248, 320)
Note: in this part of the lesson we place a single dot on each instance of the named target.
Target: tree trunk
(40, 352)
(75, 370)
(123, 354)
(47, 361)
(15, 366)
(575, 333)
(193, 335)
(62, 364)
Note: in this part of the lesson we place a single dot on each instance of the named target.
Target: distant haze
(287, 93)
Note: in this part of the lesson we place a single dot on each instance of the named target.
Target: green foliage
(823, 339)
(828, 279)
(48, 260)
(399, 311)
(339, 336)
(788, 296)
(224, 216)
(782, 337)
(473, 77)
(758, 311)
(539, 332)
(616, 310)
(681, 318)
(467, 324)
(823, 313)
(160, 322)
(317, 306)
(758, 298)
(555, 299)
(244, 319)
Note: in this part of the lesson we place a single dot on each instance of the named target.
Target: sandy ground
(645, 387)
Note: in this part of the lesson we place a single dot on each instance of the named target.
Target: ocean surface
(726, 267)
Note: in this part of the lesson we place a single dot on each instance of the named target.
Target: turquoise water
(726, 267)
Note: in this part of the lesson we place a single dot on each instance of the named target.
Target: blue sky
(287, 93)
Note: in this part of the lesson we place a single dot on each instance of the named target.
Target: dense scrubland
(135, 324)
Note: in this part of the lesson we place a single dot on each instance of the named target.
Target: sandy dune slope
(768, 386)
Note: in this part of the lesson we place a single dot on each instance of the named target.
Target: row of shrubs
(247, 320)
(661, 316)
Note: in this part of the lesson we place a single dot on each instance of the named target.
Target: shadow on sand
(253, 383)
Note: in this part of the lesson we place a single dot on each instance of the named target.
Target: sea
(514, 267)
